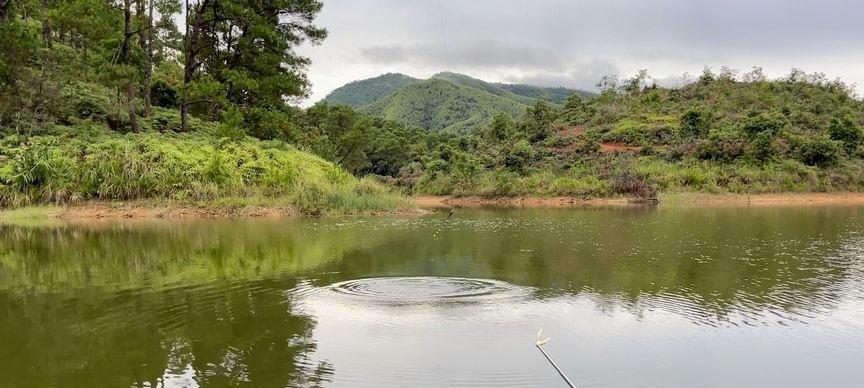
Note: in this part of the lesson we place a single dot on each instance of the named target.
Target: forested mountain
(525, 94)
(358, 94)
(437, 104)
(445, 101)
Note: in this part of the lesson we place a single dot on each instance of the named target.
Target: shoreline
(683, 199)
(167, 210)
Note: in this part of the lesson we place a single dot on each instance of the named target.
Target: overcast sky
(575, 42)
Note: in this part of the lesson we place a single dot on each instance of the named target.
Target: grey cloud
(583, 75)
(573, 42)
(482, 54)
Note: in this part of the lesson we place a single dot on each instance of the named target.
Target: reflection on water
(630, 297)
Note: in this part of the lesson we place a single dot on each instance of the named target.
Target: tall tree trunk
(46, 25)
(148, 71)
(124, 53)
(5, 6)
(191, 62)
(187, 77)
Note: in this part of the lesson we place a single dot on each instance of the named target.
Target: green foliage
(231, 126)
(537, 122)
(358, 94)
(188, 167)
(770, 123)
(500, 129)
(643, 130)
(519, 158)
(724, 145)
(819, 151)
(446, 101)
(695, 122)
(442, 106)
(164, 94)
(762, 147)
(847, 131)
(69, 95)
(556, 95)
(717, 135)
(574, 111)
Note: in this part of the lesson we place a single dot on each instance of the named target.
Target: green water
(640, 297)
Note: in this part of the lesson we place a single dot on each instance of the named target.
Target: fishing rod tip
(540, 339)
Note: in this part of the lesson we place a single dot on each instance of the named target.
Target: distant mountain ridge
(445, 101)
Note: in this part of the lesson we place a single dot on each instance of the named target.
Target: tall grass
(640, 175)
(78, 166)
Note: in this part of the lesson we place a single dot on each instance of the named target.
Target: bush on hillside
(520, 156)
(847, 131)
(694, 122)
(819, 151)
(770, 123)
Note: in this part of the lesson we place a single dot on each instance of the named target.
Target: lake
(631, 297)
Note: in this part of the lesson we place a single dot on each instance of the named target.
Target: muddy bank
(449, 201)
(772, 199)
(145, 210)
(148, 210)
(845, 198)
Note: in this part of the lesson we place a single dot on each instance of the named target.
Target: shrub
(818, 151)
(231, 125)
(694, 122)
(762, 148)
(763, 122)
(85, 101)
(722, 145)
(164, 95)
(847, 131)
(519, 156)
(632, 185)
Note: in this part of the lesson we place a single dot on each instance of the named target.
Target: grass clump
(90, 164)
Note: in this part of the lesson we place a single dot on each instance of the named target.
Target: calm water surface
(666, 297)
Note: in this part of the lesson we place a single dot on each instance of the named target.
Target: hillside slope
(799, 133)
(446, 100)
(525, 94)
(438, 105)
(358, 94)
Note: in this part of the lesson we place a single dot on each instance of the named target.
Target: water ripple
(422, 289)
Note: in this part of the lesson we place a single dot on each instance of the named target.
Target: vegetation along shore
(137, 111)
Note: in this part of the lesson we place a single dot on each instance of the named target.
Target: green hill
(526, 94)
(437, 104)
(445, 101)
(555, 94)
(364, 92)
(720, 134)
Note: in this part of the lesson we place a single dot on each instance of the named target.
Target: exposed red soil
(611, 147)
(577, 133)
